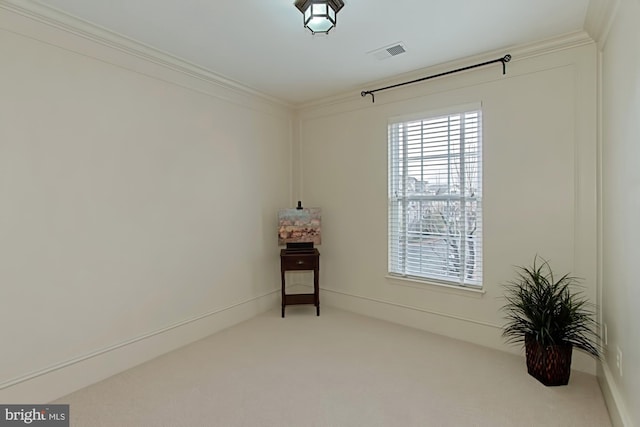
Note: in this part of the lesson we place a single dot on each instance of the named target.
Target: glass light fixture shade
(319, 16)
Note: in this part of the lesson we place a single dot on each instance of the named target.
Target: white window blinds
(435, 198)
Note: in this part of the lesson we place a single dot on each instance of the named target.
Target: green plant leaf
(551, 311)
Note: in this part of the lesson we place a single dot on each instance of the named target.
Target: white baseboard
(51, 383)
(613, 398)
(470, 330)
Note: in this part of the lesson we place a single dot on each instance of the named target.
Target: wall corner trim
(599, 19)
(612, 397)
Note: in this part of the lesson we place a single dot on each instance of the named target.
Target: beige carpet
(339, 369)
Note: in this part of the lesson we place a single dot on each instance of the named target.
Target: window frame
(399, 223)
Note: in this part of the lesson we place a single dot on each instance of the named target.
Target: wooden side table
(298, 260)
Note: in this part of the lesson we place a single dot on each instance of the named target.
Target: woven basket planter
(551, 365)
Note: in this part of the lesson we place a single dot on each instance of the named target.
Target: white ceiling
(262, 44)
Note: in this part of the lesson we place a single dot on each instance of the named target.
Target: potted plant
(550, 318)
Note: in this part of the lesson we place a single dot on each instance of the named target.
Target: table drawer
(299, 262)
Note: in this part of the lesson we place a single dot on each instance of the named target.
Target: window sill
(436, 286)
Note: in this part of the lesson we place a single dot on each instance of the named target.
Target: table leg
(316, 289)
(283, 291)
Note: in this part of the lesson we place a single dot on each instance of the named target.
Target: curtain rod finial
(368, 92)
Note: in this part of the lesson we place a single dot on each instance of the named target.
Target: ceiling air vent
(388, 51)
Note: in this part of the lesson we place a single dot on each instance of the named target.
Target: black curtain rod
(504, 61)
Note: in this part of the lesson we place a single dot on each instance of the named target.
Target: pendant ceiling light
(319, 16)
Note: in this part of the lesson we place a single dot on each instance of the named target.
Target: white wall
(129, 190)
(539, 186)
(621, 206)
(138, 207)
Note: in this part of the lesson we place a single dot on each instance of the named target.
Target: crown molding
(94, 33)
(599, 19)
(518, 53)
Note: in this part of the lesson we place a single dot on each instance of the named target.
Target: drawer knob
(300, 262)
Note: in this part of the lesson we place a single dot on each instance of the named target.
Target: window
(435, 198)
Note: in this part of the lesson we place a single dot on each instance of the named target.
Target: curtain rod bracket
(504, 61)
(368, 92)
